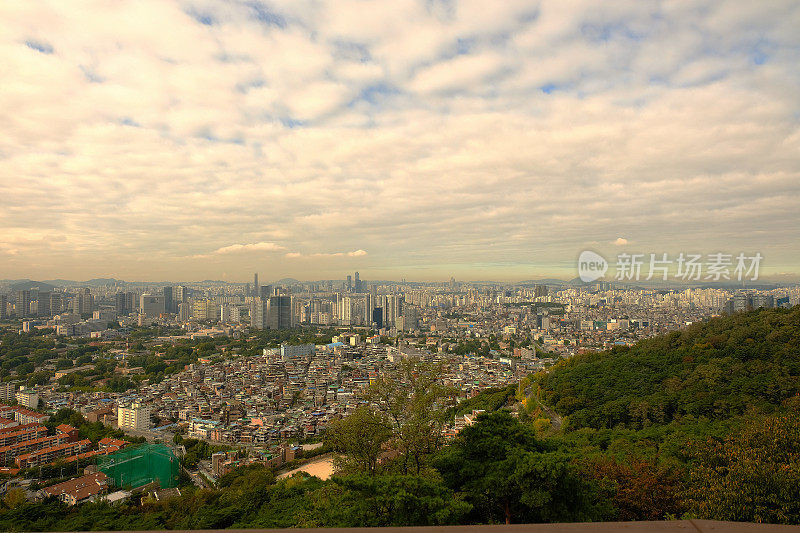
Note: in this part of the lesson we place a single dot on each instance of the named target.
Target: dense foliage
(714, 370)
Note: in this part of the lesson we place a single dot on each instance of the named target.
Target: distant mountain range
(49, 285)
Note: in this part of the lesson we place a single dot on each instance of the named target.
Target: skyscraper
(377, 317)
(346, 311)
(256, 289)
(83, 302)
(181, 294)
(151, 305)
(279, 312)
(23, 305)
(56, 303)
(43, 304)
(119, 304)
(368, 306)
(265, 292)
(169, 302)
(358, 283)
(3, 304)
(349, 283)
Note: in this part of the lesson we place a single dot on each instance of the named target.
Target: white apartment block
(28, 398)
(134, 416)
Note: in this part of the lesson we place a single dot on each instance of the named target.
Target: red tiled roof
(79, 488)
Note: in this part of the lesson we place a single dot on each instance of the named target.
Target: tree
(359, 437)
(641, 489)
(383, 501)
(751, 476)
(415, 402)
(508, 474)
(14, 498)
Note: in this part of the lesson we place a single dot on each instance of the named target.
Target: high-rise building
(265, 292)
(27, 398)
(279, 312)
(135, 415)
(206, 309)
(766, 301)
(345, 311)
(125, 303)
(3, 306)
(256, 289)
(257, 313)
(392, 309)
(377, 317)
(119, 304)
(7, 388)
(368, 306)
(56, 303)
(23, 305)
(181, 294)
(169, 302)
(358, 283)
(410, 318)
(184, 311)
(151, 305)
(43, 304)
(349, 283)
(271, 311)
(83, 302)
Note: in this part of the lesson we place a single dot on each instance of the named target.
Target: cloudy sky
(160, 140)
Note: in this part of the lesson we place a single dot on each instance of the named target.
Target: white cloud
(433, 136)
(236, 249)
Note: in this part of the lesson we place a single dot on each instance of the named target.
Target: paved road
(555, 418)
(197, 479)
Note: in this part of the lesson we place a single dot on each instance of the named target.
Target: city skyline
(418, 140)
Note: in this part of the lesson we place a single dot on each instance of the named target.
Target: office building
(56, 303)
(181, 294)
(83, 302)
(43, 304)
(3, 306)
(151, 305)
(23, 305)
(169, 301)
(279, 312)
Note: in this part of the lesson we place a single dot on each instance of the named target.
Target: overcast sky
(159, 140)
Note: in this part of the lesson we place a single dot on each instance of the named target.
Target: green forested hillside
(714, 371)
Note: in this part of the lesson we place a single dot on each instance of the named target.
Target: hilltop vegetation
(716, 370)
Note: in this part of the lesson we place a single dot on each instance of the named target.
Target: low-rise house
(82, 489)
